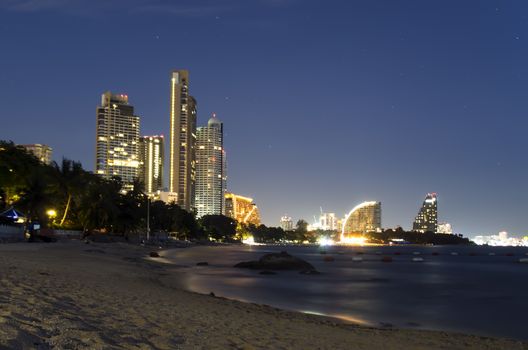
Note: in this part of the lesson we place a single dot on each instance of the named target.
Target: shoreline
(355, 285)
(110, 295)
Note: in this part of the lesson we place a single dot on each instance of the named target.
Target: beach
(113, 296)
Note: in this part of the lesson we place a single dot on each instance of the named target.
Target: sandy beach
(73, 295)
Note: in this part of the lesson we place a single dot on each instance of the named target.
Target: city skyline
(380, 111)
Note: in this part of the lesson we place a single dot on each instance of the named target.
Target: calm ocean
(479, 290)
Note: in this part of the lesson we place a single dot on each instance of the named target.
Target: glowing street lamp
(51, 213)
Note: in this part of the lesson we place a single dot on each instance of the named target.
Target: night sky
(324, 103)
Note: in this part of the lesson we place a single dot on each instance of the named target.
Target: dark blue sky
(325, 103)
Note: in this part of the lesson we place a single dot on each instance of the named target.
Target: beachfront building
(364, 218)
(117, 139)
(42, 152)
(151, 158)
(242, 209)
(210, 169)
(427, 218)
(182, 140)
(286, 223)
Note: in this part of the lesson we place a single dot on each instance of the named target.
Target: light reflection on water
(469, 292)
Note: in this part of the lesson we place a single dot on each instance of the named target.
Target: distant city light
(325, 241)
(250, 240)
(501, 240)
(353, 240)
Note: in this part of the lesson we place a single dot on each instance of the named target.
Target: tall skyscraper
(364, 218)
(42, 152)
(427, 218)
(151, 158)
(242, 209)
(210, 169)
(117, 139)
(182, 140)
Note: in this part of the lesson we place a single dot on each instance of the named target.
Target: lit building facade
(210, 169)
(117, 139)
(42, 152)
(242, 209)
(286, 223)
(427, 218)
(339, 225)
(328, 222)
(364, 218)
(445, 228)
(182, 162)
(151, 158)
(167, 197)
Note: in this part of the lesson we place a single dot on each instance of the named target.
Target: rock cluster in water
(279, 261)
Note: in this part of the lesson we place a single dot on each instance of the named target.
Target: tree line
(84, 201)
(81, 200)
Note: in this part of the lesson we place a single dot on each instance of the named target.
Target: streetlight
(51, 214)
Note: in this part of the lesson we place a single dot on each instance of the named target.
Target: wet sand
(112, 296)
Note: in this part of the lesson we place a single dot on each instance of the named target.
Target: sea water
(470, 289)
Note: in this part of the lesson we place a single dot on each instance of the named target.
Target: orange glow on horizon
(353, 240)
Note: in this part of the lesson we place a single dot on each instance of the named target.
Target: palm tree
(35, 196)
(98, 205)
(69, 181)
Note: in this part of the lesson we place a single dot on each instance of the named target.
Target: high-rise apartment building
(328, 221)
(151, 157)
(364, 218)
(286, 223)
(242, 209)
(210, 169)
(427, 218)
(182, 140)
(117, 139)
(42, 152)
